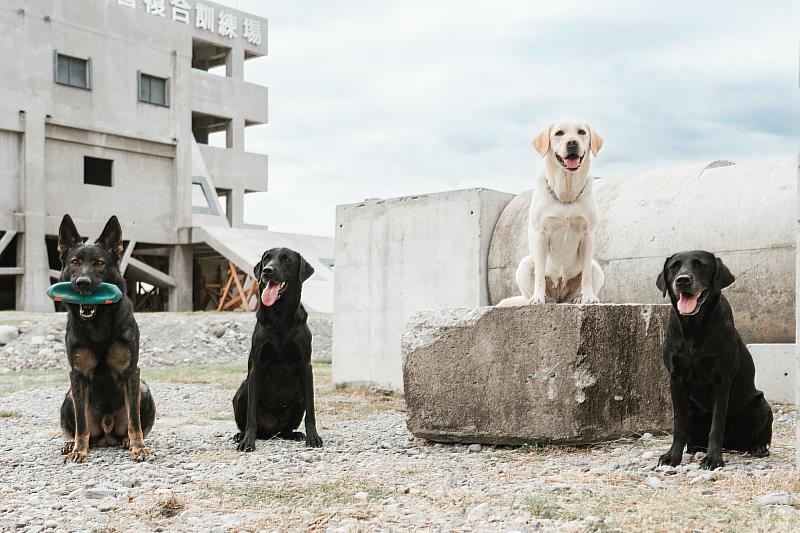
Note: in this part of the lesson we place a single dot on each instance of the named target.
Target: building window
(153, 90)
(73, 71)
(97, 171)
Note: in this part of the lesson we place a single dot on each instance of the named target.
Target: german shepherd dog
(714, 398)
(279, 388)
(107, 403)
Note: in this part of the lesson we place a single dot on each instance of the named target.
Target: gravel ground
(371, 475)
(167, 339)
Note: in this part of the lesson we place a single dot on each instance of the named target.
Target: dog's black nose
(572, 144)
(83, 282)
(683, 280)
(268, 271)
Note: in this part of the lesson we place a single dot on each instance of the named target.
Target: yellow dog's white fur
(563, 219)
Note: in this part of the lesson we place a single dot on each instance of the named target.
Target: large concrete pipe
(743, 213)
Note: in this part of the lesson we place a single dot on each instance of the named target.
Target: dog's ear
(257, 269)
(661, 280)
(68, 236)
(542, 142)
(723, 277)
(305, 269)
(595, 141)
(111, 237)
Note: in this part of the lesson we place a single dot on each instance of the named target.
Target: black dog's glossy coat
(107, 403)
(714, 398)
(279, 372)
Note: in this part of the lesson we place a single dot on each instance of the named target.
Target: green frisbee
(106, 293)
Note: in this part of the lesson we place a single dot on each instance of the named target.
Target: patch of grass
(9, 414)
(33, 379)
(227, 376)
(542, 505)
(314, 496)
(321, 360)
(168, 507)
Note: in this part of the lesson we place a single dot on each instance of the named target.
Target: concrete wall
(775, 370)
(744, 213)
(396, 257)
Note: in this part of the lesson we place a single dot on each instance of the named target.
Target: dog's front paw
(712, 461)
(237, 437)
(588, 299)
(313, 440)
(76, 456)
(140, 452)
(247, 444)
(68, 446)
(670, 459)
(536, 300)
(760, 451)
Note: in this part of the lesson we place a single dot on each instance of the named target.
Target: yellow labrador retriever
(563, 219)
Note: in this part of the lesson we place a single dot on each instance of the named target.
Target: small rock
(475, 448)
(362, 496)
(8, 334)
(100, 492)
(306, 457)
(649, 454)
(219, 330)
(777, 498)
(654, 482)
(479, 513)
(107, 505)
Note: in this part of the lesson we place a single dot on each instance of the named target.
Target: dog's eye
(100, 262)
(285, 258)
(559, 133)
(581, 132)
(674, 266)
(697, 263)
(75, 261)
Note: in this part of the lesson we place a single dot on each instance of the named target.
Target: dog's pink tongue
(687, 303)
(270, 294)
(572, 163)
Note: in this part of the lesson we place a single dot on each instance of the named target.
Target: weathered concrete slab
(536, 374)
(775, 370)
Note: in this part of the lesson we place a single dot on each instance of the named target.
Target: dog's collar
(559, 200)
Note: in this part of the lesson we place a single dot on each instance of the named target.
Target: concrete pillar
(234, 63)
(180, 268)
(236, 134)
(31, 293)
(182, 113)
(235, 207)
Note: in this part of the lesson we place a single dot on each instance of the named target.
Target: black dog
(714, 398)
(107, 404)
(279, 383)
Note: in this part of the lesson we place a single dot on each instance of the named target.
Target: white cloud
(380, 99)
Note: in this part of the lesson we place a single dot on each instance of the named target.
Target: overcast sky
(387, 98)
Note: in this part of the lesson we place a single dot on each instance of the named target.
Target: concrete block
(396, 257)
(775, 371)
(537, 374)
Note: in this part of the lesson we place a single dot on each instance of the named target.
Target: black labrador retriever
(279, 388)
(107, 403)
(714, 398)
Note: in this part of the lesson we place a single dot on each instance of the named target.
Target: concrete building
(397, 257)
(136, 108)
